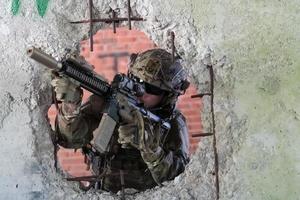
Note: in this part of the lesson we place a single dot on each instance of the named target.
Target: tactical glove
(68, 92)
(131, 124)
(136, 130)
(66, 89)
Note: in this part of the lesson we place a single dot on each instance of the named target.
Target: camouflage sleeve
(74, 125)
(173, 156)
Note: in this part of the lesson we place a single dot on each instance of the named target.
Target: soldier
(146, 153)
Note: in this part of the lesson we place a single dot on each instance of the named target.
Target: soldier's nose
(144, 98)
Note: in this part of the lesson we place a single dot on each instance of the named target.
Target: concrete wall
(257, 94)
(254, 46)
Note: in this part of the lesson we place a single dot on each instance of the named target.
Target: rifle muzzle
(43, 58)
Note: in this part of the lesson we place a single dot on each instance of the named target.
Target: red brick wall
(111, 55)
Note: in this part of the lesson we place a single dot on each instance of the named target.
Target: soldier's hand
(137, 131)
(129, 128)
(66, 89)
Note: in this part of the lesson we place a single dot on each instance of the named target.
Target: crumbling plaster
(254, 46)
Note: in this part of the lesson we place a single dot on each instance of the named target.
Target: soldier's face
(150, 100)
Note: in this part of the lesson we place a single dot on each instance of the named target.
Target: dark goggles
(150, 89)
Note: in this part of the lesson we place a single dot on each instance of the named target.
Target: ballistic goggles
(150, 89)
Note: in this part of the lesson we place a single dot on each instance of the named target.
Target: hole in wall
(110, 56)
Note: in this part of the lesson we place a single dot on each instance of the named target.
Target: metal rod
(114, 22)
(109, 20)
(82, 178)
(91, 24)
(129, 14)
(200, 95)
(173, 45)
(202, 134)
(211, 73)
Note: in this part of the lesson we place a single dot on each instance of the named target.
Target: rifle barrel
(44, 58)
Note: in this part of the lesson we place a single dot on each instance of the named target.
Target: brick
(120, 48)
(99, 47)
(194, 118)
(188, 112)
(78, 173)
(123, 61)
(194, 143)
(197, 104)
(63, 153)
(51, 118)
(140, 47)
(108, 40)
(185, 105)
(191, 90)
(192, 132)
(185, 98)
(128, 40)
(72, 161)
(194, 126)
(78, 167)
(52, 111)
(106, 61)
(86, 95)
(194, 140)
(122, 31)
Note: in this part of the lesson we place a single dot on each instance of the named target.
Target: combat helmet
(156, 67)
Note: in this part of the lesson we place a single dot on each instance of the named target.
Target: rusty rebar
(211, 74)
(91, 25)
(109, 20)
(216, 161)
(200, 95)
(173, 45)
(114, 22)
(84, 178)
(129, 14)
(202, 134)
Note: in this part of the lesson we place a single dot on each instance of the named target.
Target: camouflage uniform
(141, 170)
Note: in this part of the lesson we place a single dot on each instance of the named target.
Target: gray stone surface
(254, 47)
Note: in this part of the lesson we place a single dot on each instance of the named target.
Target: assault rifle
(76, 68)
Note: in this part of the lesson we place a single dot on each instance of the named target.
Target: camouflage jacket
(77, 132)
